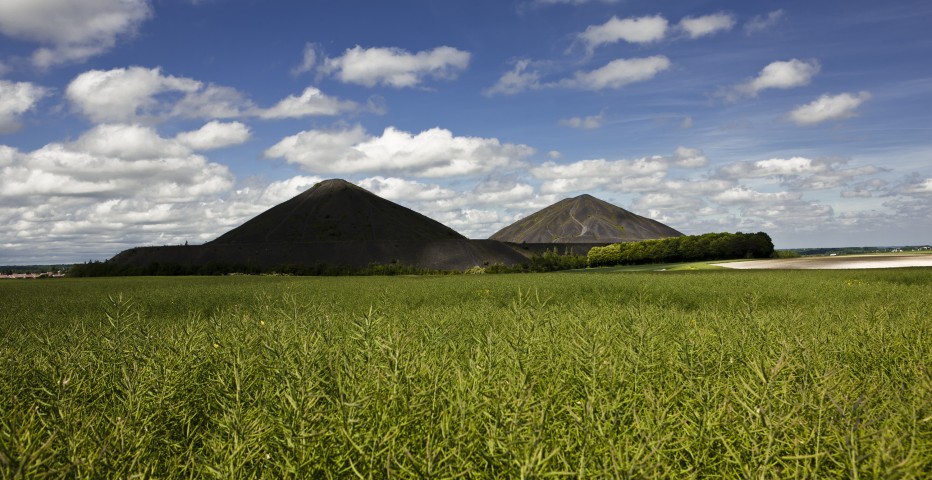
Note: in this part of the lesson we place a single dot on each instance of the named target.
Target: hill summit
(337, 211)
(583, 219)
(333, 226)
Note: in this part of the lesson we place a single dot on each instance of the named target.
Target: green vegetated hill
(583, 219)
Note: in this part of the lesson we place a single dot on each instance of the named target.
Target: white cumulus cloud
(214, 135)
(405, 191)
(583, 175)
(799, 173)
(113, 161)
(618, 73)
(517, 80)
(644, 29)
(432, 153)
(124, 94)
(760, 22)
(828, 107)
(71, 31)
(115, 187)
(686, 157)
(775, 166)
(126, 142)
(782, 75)
(705, 25)
(17, 98)
(312, 102)
(745, 196)
(395, 67)
(591, 122)
(146, 95)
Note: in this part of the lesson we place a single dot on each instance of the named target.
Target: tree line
(689, 248)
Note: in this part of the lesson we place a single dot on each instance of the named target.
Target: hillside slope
(333, 224)
(583, 219)
(337, 211)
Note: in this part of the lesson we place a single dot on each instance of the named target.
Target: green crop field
(777, 374)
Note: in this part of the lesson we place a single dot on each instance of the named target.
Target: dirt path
(834, 263)
(584, 228)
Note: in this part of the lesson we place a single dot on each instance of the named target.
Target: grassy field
(778, 374)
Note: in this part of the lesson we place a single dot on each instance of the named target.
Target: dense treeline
(692, 248)
(549, 261)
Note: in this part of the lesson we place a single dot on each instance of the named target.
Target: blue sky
(156, 122)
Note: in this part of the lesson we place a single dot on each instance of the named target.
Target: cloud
(68, 228)
(115, 187)
(658, 201)
(71, 31)
(643, 174)
(407, 191)
(799, 173)
(627, 175)
(912, 185)
(124, 94)
(125, 142)
(865, 189)
(308, 61)
(312, 102)
(475, 212)
(745, 196)
(214, 101)
(395, 67)
(760, 23)
(782, 211)
(432, 153)
(696, 27)
(644, 29)
(685, 157)
(17, 98)
(776, 167)
(825, 108)
(615, 74)
(517, 80)
(145, 95)
(585, 123)
(112, 161)
(214, 135)
(780, 74)
(618, 73)
(699, 186)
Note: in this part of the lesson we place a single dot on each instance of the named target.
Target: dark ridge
(452, 254)
(583, 219)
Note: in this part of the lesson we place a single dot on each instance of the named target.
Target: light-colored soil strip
(834, 263)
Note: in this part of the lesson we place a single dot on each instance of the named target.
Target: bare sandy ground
(834, 263)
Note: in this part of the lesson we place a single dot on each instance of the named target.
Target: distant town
(55, 274)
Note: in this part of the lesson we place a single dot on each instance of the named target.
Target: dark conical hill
(337, 211)
(583, 219)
